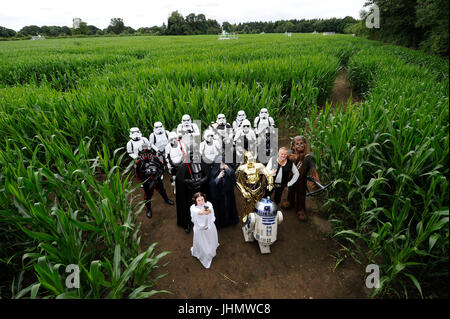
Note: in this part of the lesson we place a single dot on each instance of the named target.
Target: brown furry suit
(305, 163)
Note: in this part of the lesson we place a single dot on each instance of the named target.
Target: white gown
(205, 235)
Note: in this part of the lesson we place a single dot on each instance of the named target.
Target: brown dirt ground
(301, 265)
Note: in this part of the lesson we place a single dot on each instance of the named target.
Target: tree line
(192, 24)
(418, 24)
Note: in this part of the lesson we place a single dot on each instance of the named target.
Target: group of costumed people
(203, 175)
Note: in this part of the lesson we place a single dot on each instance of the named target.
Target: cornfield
(66, 107)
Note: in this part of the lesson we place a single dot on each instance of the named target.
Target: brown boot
(286, 205)
(301, 215)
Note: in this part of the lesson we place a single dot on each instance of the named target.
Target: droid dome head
(266, 208)
(173, 138)
(246, 126)
(263, 113)
(221, 120)
(158, 128)
(186, 120)
(135, 133)
(241, 116)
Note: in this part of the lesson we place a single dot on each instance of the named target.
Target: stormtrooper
(210, 147)
(224, 133)
(174, 156)
(262, 224)
(159, 139)
(237, 123)
(265, 133)
(245, 140)
(188, 132)
(149, 169)
(135, 143)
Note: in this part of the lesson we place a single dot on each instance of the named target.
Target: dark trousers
(148, 189)
(278, 190)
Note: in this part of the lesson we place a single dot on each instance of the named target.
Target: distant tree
(227, 26)
(92, 30)
(65, 31)
(7, 33)
(30, 30)
(191, 24)
(176, 25)
(128, 30)
(116, 26)
(432, 18)
(213, 27)
(82, 29)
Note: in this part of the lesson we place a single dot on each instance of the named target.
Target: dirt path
(342, 91)
(301, 264)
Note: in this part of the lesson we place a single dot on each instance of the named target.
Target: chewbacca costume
(306, 166)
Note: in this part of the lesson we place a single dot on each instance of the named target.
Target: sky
(146, 13)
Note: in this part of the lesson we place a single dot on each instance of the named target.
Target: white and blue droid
(262, 224)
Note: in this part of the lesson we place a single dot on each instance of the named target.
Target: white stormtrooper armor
(174, 155)
(224, 133)
(262, 225)
(265, 134)
(159, 138)
(188, 131)
(237, 123)
(223, 128)
(210, 148)
(135, 143)
(263, 121)
(245, 139)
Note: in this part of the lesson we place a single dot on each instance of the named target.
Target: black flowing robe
(185, 190)
(222, 196)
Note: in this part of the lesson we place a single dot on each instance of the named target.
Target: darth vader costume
(222, 195)
(186, 186)
(148, 169)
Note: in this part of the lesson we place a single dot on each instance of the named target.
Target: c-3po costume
(252, 179)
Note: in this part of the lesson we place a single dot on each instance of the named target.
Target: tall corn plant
(74, 210)
(388, 156)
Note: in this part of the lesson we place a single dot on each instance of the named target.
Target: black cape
(222, 197)
(185, 190)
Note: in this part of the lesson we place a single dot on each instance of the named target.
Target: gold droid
(252, 179)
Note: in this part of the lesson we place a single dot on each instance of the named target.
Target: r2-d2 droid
(262, 224)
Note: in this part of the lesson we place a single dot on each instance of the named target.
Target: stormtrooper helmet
(241, 116)
(158, 128)
(263, 113)
(173, 139)
(246, 126)
(221, 120)
(135, 133)
(186, 121)
(208, 136)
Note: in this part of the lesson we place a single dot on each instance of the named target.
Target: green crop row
(389, 159)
